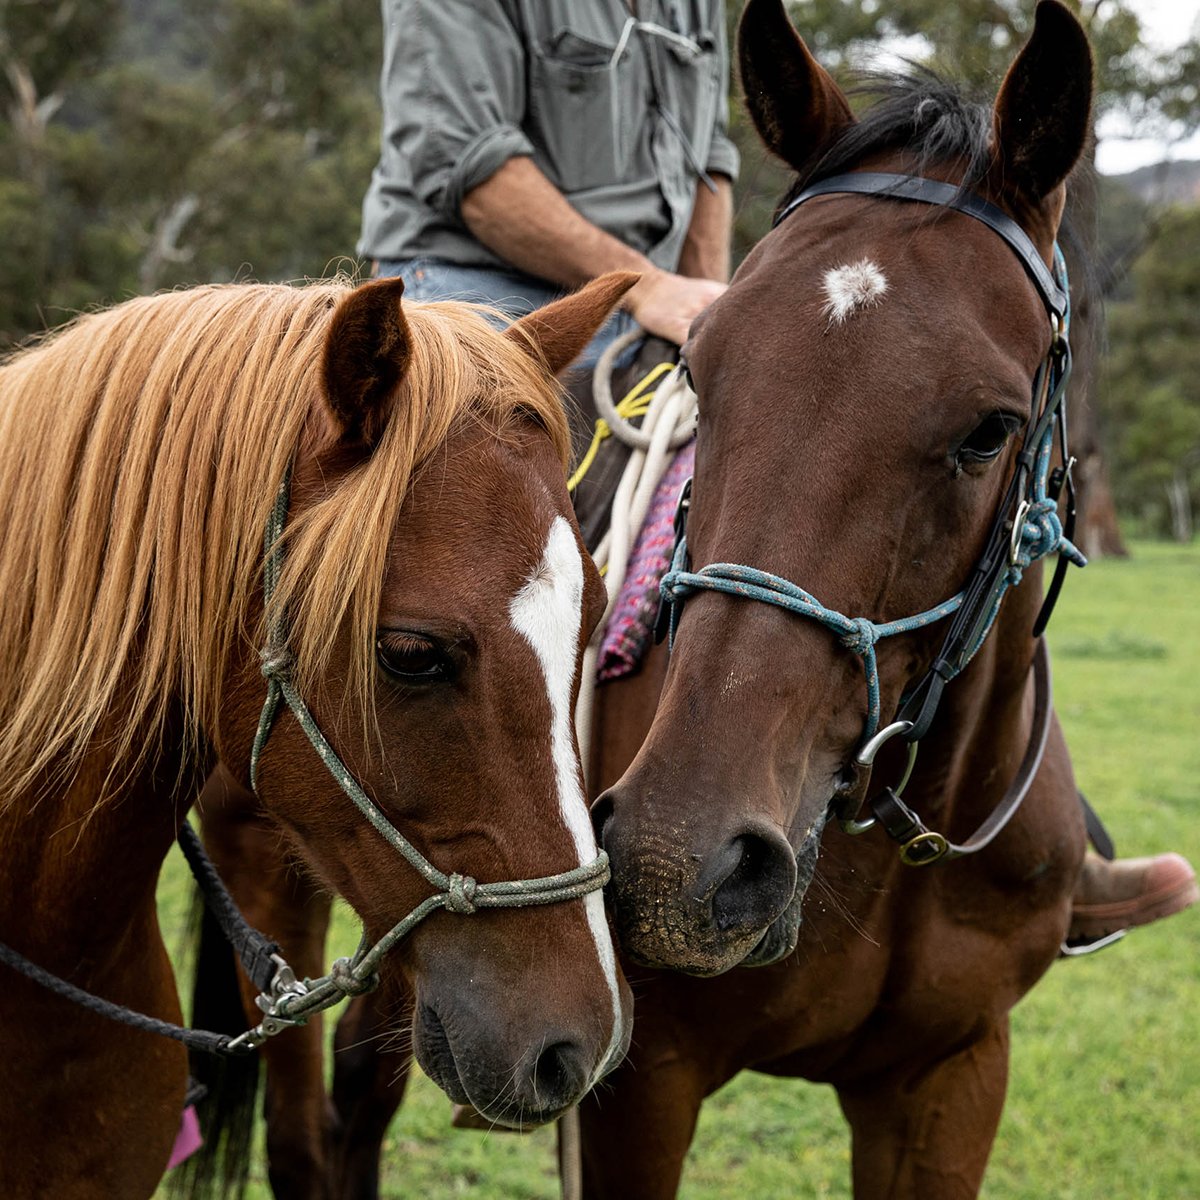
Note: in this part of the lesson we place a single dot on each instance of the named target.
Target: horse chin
(494, 1093)
(783, 934)
(697, 957)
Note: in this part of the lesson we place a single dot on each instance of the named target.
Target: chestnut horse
(863, 386)
(142, 451)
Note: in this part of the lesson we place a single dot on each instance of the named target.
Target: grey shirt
(622, 114)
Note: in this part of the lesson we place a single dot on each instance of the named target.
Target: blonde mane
(141, 449)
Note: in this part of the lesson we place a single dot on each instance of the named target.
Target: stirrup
(1082, 946)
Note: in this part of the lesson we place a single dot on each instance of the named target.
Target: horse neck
(81, 858)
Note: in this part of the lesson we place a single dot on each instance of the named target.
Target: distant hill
(1164, 183)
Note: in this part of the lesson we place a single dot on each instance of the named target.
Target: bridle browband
(1026, 528)
(1055, 297)
(285, 1000)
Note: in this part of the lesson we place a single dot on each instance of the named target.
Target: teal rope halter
(289, 1001)
(855, 633)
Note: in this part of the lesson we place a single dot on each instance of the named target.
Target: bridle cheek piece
(1025, 529)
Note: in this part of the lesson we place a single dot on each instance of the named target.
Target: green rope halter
(290, 1001)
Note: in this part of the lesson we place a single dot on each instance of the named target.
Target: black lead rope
(193, 1039)
(258, 955)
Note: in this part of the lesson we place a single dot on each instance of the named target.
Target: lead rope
(668, 424)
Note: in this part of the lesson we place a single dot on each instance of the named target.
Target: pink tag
(188, 1139)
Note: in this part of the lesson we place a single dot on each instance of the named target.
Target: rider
(531, 145)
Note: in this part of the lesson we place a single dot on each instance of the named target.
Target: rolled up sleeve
(723, 156)
(454, 94)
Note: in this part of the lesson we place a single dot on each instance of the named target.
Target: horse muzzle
(701, 913)
(531, 1084)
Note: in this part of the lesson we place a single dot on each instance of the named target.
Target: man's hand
(665, 305)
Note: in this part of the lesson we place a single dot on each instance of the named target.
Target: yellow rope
(635, 404)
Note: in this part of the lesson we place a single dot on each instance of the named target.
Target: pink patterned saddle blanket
(631, 625)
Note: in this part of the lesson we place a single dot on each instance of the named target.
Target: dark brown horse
(862, 387)
(860, 442)
(141, 454)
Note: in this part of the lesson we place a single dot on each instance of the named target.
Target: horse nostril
(558, 1076)
(760, 877)
(602, 814)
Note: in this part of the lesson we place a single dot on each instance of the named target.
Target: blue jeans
(513, 293)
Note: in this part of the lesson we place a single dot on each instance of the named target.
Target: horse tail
(226, 1086)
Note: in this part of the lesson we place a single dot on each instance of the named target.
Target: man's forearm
(706, 248)
(523, 218)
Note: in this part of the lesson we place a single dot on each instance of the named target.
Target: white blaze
(548, 613)
(851, 288)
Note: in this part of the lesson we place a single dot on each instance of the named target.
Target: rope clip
(284, 983)
(284, 986)
(268, 1027)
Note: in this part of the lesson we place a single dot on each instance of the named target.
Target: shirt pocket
(693, 92)
(585, 110)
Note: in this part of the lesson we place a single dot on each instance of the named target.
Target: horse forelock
(914, 111)
(141, 449)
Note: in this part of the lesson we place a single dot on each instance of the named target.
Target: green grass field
(1105, 1092)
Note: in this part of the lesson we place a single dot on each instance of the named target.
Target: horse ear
(556, 333)
(367, 351)
(793, 101)
(1042, 115)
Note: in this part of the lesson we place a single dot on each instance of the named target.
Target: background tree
(149, 143)
(1152, 392)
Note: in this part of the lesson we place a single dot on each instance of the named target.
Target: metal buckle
(924, 849)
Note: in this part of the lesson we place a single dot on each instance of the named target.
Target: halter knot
(461, 894)
(862, 635)
(276, 662)
(344, 979)
(673, 588)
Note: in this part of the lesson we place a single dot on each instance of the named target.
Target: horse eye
(687, 373)
(987, 439)
(413, 658)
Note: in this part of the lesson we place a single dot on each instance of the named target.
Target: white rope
(669, 423)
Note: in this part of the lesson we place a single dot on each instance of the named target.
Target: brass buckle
(924, 849)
